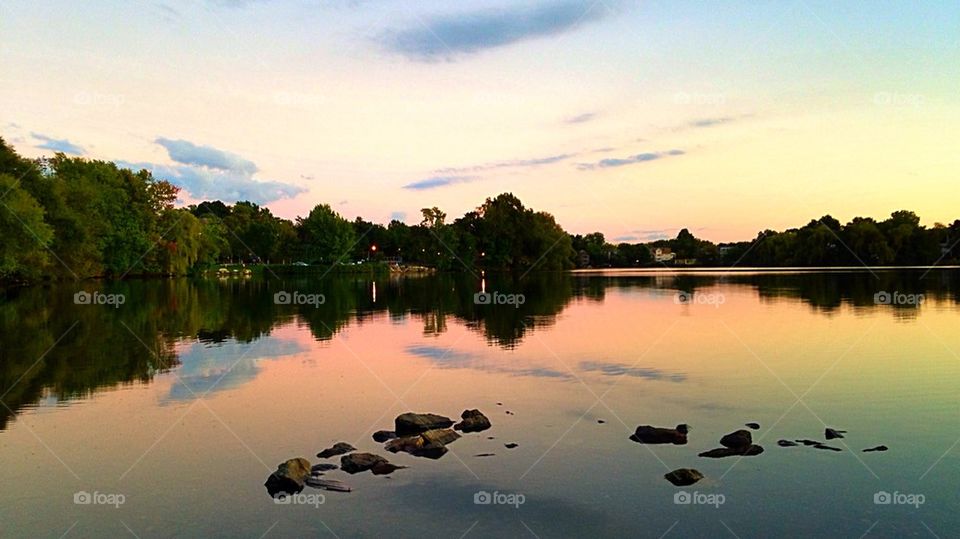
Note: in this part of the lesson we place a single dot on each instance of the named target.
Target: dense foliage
(67, 217)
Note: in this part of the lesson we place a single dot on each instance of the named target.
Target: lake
(158, 408)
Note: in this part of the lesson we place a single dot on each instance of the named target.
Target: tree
(26, 237)
(326, 236)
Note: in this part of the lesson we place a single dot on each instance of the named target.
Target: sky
(634, 119)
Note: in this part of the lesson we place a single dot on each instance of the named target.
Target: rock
(385, 468)
(485, 455)
(720, 452)
(645, 434)
(827, 447)
(831, 434)
(439, 436)
(809, 442)
(511, 445)
(737, 440)
(360, 462)
(383, 435)
(684, 477)
(509, 412)
(754, 426)
(338, 448)
(411, 423)
(431, 444)
(473, 421)
(323, 467)
(601, 421)
(499, 404)
(289, 477)
(786, 443)
(878, 448)
(328, 484)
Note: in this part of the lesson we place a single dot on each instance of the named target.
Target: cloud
(513, 163)
(626, 238)
(58, 145)
(618, 369)
(438, 181)
(208, 368)
(450, 36)
(207, 173)
(710, 122)
(210, 184)
(630, 160)
(581, 118)
(447, 358)
(188, 153)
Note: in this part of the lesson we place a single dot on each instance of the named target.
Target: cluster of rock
(736, 444)
(420, 435)
(829, 434)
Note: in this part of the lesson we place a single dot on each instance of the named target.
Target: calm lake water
(180, 402)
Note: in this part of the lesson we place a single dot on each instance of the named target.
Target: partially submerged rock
(645, 434)
(832, 434)
(289, 477)
(827, 447)
(684, 477)
(383, 435)
(787, 443)
(472, 421)
(720, 452)
(360, 462)
(385, 468)
(413, 423)
(754, 426)
(338, 448)
(485, 455)
(878, 448)
(328, 484)
(809, 442)
(737, 440)
(511, 445)
(323, 467)
(430, 444)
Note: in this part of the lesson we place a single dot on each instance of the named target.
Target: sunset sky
(631, 118)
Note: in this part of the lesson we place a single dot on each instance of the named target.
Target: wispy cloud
(57, 145)
(618, 369)
(446, 358)
(710, 122)
(512, 163)
(581, 118)
(188, 153)
(447, 37)
(439, 181)
(629, 160)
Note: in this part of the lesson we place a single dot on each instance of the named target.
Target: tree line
(69, 217)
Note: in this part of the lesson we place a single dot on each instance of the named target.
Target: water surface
(185, 397)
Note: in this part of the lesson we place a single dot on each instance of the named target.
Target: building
(663, 254)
